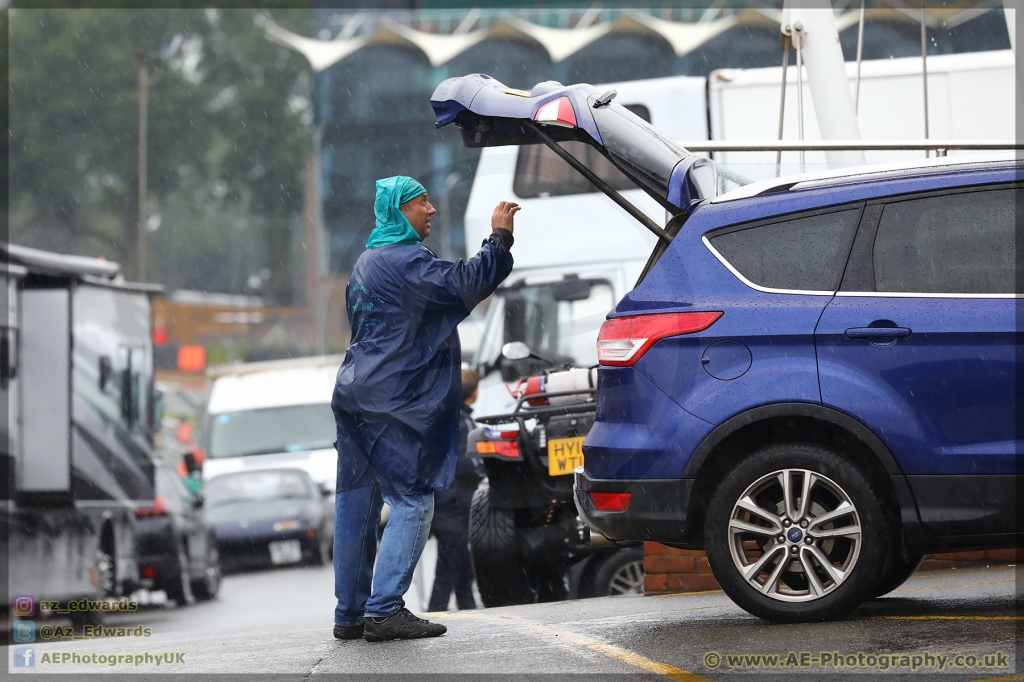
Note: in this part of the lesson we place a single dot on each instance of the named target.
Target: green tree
(228, 139)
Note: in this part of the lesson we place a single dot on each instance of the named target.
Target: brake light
(610, 501)
(148, 572)
(623, 340)
(159, 508)
(557, 112)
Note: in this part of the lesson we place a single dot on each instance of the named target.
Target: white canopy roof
(559, 43)
(562, 43)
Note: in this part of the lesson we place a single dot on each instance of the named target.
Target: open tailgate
(489, 114)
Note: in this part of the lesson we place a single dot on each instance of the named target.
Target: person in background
(191, 469)
(451, 514)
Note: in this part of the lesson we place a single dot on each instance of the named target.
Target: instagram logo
(24, 605)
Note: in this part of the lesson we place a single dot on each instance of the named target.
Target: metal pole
(860, 53)
(320, 273)
(444, 206)
(143, 164)
(798, 29)
(786, 44)
(924, 71)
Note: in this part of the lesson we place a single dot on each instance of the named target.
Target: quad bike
(528, 543)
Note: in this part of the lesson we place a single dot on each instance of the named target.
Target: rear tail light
(557, 112)
(610, 501)
(148, 572)
(159, 508)
(508, 449)
(623, 340)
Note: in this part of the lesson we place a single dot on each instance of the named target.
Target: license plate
(564, 455)
(285, 552)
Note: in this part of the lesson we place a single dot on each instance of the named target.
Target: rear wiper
(607, 189)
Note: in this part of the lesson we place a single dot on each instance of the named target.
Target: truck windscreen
(636, 147)
(293, 428)
(558, 321)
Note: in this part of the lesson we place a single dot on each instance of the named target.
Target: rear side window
(542, 173)
(804, 253)
(959, 243)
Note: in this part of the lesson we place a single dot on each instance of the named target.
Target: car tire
(207, 588)
(897, 571)
(620, 571)
(179, 586)
(500, 575)
(816, 562)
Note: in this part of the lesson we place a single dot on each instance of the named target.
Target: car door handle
(878, 333)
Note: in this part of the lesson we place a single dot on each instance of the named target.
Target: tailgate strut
(607, 189)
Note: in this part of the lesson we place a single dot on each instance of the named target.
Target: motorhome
(76, 381)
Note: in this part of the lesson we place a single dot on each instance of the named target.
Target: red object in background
(192, 358)
(183, 433)
(160, 336)
(199, 454)
(148, 572)
(158, 509)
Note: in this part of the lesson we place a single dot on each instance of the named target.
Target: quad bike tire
(500, 574)
(179, 586)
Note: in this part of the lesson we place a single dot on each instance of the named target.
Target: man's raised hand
(504, 215)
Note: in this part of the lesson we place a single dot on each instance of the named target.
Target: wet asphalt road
(280, 622)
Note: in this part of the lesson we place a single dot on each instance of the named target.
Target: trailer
(77, 455)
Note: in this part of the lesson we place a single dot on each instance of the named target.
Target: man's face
(418, 212)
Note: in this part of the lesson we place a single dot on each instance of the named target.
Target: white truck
(569, 231)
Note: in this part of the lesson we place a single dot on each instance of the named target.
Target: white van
(576, 252)
(264, 415)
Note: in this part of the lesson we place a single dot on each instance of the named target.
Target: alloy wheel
(794, 535)
(627, 579)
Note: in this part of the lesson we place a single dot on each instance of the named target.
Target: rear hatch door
(489, 114)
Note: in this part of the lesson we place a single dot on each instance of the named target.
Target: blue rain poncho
(392, 226)
(399, 390)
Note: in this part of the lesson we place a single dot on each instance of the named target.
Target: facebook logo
(24, 657)
(24, 631)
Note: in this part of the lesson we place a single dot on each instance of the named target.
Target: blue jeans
(355, 545)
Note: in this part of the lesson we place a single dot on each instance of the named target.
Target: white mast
(826, 74)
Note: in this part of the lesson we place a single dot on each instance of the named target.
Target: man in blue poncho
(396, 403)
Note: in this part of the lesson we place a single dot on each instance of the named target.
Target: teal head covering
(393, 227)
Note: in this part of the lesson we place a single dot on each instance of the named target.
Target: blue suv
(816, 379)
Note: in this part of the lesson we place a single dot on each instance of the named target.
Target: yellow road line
(610, 650)
(953, 587)
(1010, 618)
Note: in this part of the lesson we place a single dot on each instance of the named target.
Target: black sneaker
(348, 631)
(402, 625)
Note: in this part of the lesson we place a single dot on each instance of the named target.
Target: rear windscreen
(636, 147)
(294, 428)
